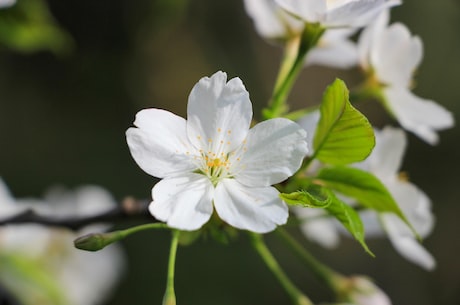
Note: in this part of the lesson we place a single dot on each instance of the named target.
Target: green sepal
(362, 186)
(344, 135)
(218, 230)
(315, 196)
(187, 238)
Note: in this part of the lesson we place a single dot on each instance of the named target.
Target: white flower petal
(356, 13)
(265, 17)
(386, 158)
(334, 50)
(415, 205)
(270, 20)
(184, 203)
(365, 292)
(160, 145)
(369, 36)
(318, 227)
(420, 116)
(309, 122)
(307, 10)
(255, 209)
(371, 222)
(7, 3)
(219, 113)
(406, 244)
(18, 239)
(88, 277)
(8, 206)
(273, 151)
(395, 55)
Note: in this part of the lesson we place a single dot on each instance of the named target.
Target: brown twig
(129, 209)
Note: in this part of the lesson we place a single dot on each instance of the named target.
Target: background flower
(385, 163)
(334, 48)
(83, 278)
(391, 54)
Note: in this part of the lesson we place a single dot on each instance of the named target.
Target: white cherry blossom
(334, 48)
(392, 54)
(214, 159)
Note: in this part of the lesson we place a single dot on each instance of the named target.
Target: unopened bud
(96, 241)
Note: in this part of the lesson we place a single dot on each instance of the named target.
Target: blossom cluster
(214, 161)
(219, 169)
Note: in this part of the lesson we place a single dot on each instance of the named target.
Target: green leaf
(350, 220)
(363, 186)
(343, 135)
(315, 196)
(29, 26)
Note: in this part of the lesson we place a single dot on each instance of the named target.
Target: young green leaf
(343, 135)
(315, 196)
(363, 186)
(350, 220)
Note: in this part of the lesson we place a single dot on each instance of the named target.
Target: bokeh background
(64, 112)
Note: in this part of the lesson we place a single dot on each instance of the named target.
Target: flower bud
(96, 241)
(360, 290)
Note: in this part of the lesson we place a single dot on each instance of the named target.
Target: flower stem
(330, 277)
(292, 63)
(170, 296)
(298, 298)
(148, 226)
(98, 241)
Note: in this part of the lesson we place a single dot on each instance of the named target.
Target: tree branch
(129, 209)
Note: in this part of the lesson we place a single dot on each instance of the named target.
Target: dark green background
(62, 121)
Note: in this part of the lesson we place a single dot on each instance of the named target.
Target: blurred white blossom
(213, 158)
(385, 163)
(7, 3)
(360, 290)
(391, 54)
(83, 278)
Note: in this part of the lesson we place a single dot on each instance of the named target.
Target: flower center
(216, 168)
(215, 160)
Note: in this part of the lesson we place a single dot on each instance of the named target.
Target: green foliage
(28, 27)
(350, 220)
(314, 196)
(363, 186)
(343, 135)
(317, 196)
(29, 281)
